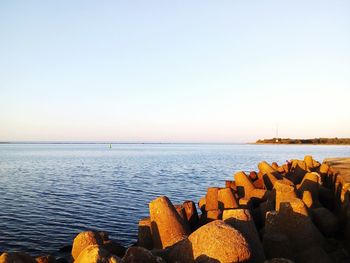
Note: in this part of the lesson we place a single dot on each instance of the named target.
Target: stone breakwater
(295, 212)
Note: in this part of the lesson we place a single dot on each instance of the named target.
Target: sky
(174, 71)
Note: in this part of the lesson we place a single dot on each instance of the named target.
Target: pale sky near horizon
(174, 71)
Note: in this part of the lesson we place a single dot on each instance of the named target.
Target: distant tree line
(305, 141)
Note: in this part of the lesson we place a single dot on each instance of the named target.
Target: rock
(274, 165)
(231, 184)
(201, 204)
(242, 220)
(191, 213)
(226, 199)
(265, 168)
(245, 203)
(181, 211)
(326, 197)
(140, 255)
(96, 254)
(104, 235)
(259, 183)
(253, 175)
(211, 198)
(277, 245)
(46, 259)
(259, 195)
(167, 226)
(144, 238)
(326, 221)
(269, 180)
(312, 255)
(213, 242)
(114, 248)
(307, 199)
(16, 257)
(284, 193)
(279, 260)
(309, 161)
(84, 239)
(310, 183)
(244, 184)
(293, 222)
(298, 170)
(213, 215)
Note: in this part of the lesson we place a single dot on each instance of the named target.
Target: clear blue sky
(178, 71)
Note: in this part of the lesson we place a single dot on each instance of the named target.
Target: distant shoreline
(314, 141)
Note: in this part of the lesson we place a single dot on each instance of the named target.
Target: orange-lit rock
(201, 204)
(213, 242)
(284, 193)
(211, 198)
(242, 220)
(140, 255)
(144, 238)
(83, 240)
(96, 254)
(45, 259)
(326, 221)
(191, 213)
(16, 257)
(244, 184)
(226, 199)
(167, 225)
(114, 248)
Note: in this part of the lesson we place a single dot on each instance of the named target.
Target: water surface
(50, 192)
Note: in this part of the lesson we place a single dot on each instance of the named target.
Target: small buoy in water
(110, 146)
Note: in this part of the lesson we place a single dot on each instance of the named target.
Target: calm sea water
(51, 192)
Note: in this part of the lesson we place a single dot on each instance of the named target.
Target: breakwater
(296, 211)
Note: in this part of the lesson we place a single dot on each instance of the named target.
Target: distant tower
(276, 133)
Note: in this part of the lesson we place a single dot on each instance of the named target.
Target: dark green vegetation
(305, 141)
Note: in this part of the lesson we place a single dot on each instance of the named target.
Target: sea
(51, 192)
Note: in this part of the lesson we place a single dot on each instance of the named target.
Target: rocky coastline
(296, 212)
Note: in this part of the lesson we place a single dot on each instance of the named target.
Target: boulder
(181, 211)
(309, 161)
(265, 168)
(16, 257)
(226, 199)
(83, 240)
(312, 255)
(326, 221)
(211, 198)
(46, 259)
(140, 255)
(293, 222)
(96, 254)
(253, 175)
(201, 204)
(213, 215)
(307, 199)
(191, 213)
(284, 193)
(244, 184)
(114, 248)
(278, 260)
(298, 170)
(167, 226)
(213, 242)
(310, 183)
(277, 245)
(144, 238)
(242, 220)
